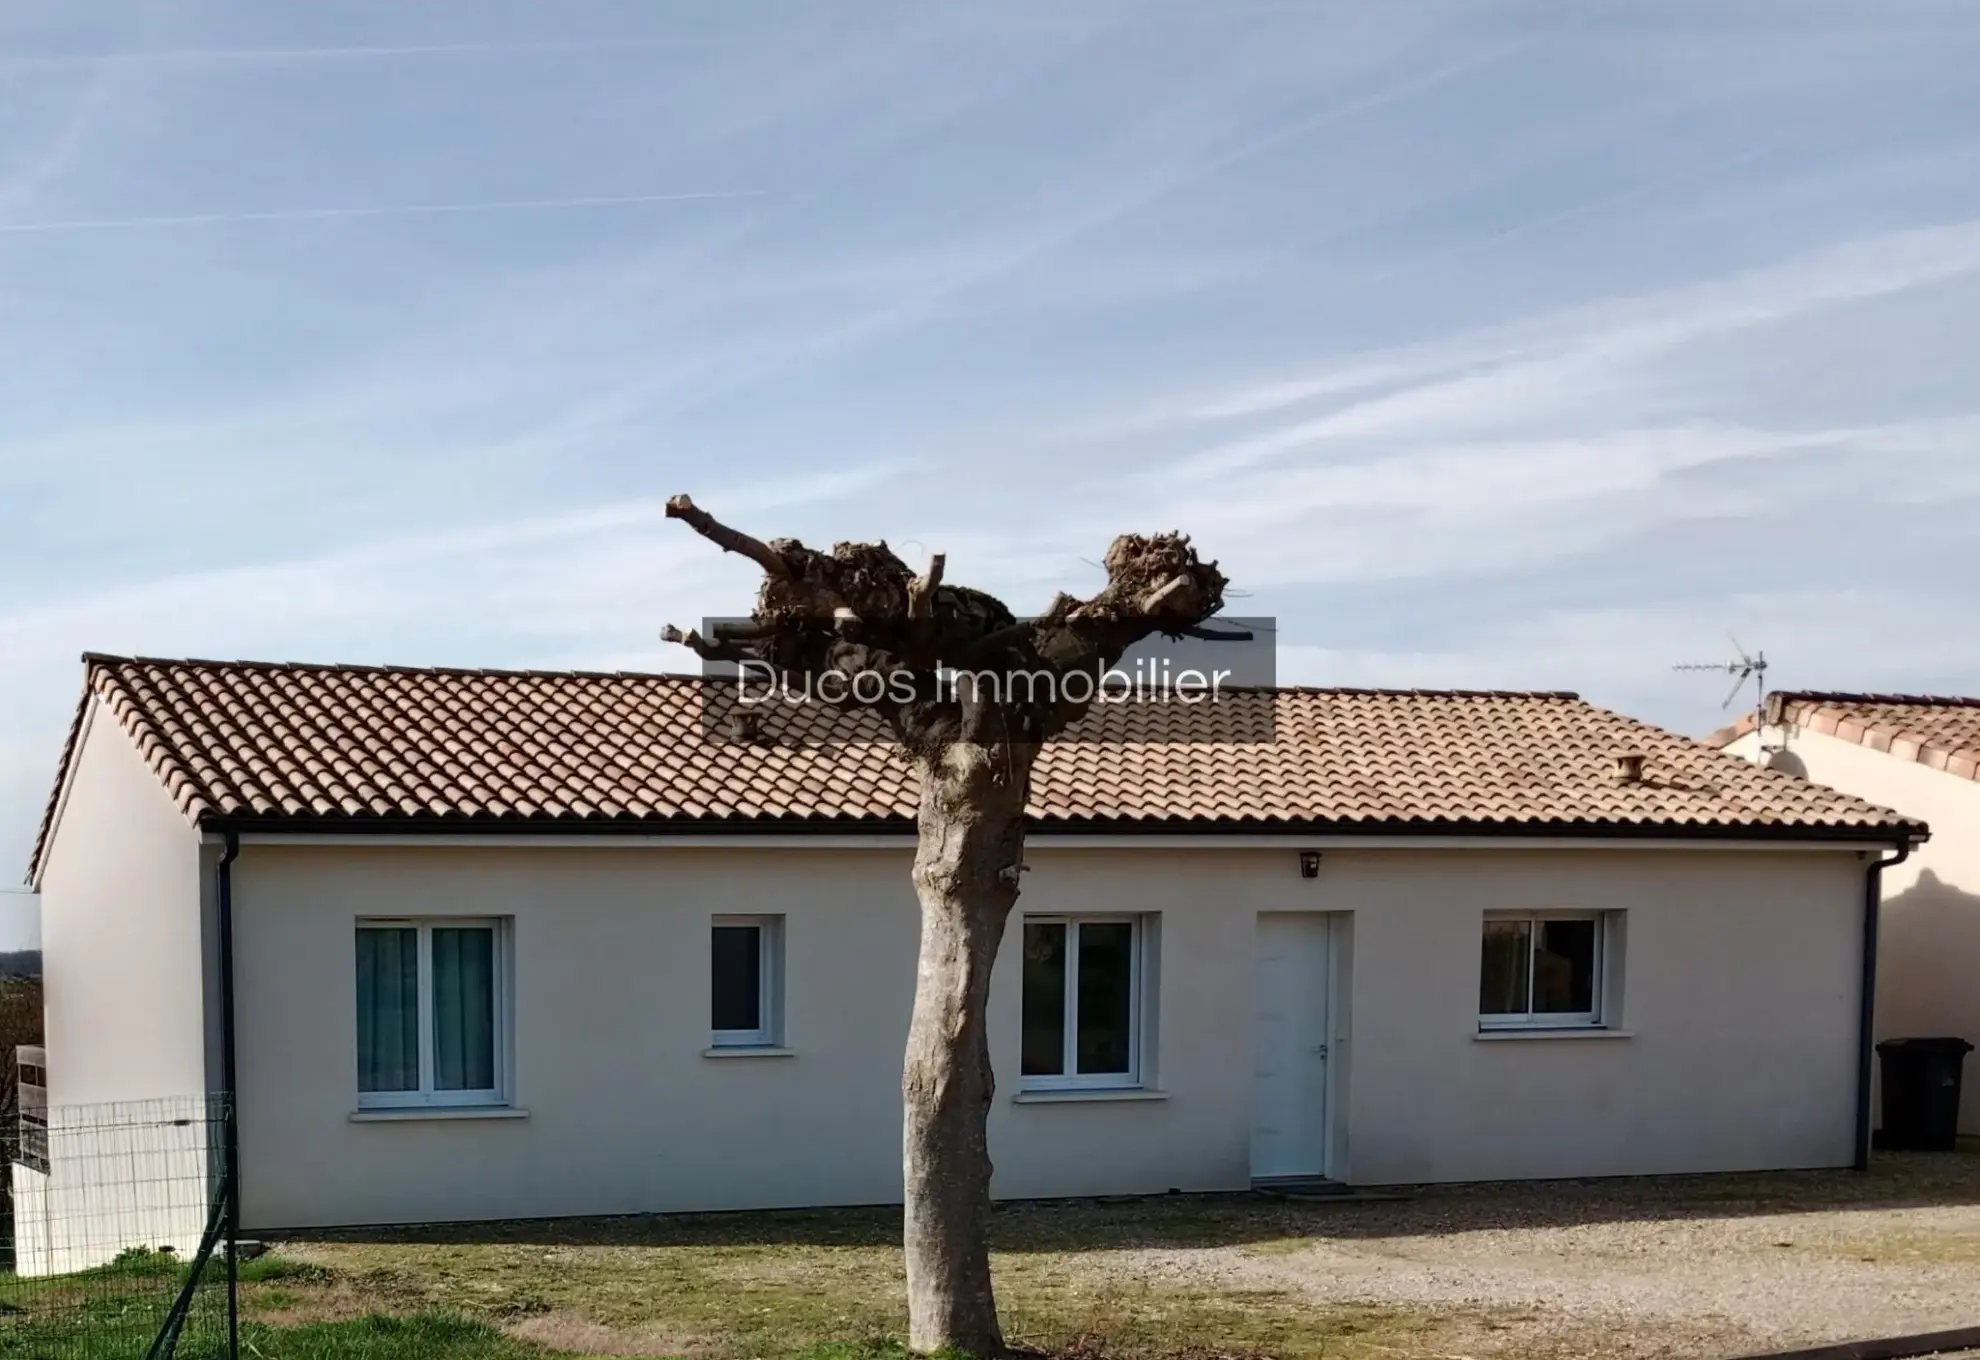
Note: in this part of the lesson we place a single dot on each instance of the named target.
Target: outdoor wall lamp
(1309, 864)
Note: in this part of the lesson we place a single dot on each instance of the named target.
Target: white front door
(1289, 1104)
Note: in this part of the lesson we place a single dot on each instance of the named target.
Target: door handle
(1320, 1049)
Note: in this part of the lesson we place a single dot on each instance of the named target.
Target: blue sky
(1486, 344)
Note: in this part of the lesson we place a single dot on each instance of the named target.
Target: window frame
(1070, 1079)
(769, 1032)
(427, 1097)
(1529, 1019)
(31, 1109)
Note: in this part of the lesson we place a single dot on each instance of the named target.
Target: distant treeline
(21, 963)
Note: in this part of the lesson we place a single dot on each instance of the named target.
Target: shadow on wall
(1896, 1180)
(1787, 762)
(1928, 974)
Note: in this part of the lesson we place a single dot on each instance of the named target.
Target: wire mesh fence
(113, 1244)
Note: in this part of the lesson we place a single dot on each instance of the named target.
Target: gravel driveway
(1676, 1266)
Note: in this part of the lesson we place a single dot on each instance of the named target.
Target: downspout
(1866, 1053)
(231, 1165)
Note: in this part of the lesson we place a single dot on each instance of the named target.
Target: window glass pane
(1564, 968)
(1106, 997)
(737, 982)
(1044, 1045)
(1502, 980)
(388, 1009)
(463, 1008)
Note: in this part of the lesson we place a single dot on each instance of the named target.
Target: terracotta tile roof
(1942, 731)
(371, 746)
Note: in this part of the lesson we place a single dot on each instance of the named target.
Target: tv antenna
(1753, 668)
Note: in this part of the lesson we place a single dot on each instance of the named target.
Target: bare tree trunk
(965, 871)
(859, 612)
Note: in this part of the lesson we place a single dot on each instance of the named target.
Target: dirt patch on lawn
(579, 1335)
(283, 1305)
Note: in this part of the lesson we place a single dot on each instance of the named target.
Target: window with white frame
(746, 981)
(1082, 1002)
(432, 1013)
(1542, 970)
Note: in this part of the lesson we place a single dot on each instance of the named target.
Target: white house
(1919, 754)
(531, 944)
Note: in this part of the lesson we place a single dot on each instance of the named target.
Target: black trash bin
(1921, 1093)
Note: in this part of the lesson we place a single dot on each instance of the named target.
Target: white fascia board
(1291, 841)
(62, 795)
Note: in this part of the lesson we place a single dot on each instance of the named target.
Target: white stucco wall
(120, 1176)
(1740, 999)
(1928, 973)
(122, 942)
(1739, 977)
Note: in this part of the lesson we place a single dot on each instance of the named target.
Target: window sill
(1493, 1036)
(415, 1113)
(1080, 1096)
(749, 1051)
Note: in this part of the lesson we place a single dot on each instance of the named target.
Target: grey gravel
(1677, 1266)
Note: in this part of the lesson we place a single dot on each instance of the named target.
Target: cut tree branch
(716, 650)
(921, 590)
(725, 538)
(991, 643)
(1153, 600)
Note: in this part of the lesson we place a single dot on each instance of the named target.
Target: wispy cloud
(398, 576)
(205, 56)
(49, 161)
(561, 589)
(1624, 657)
(381, 210)
(1509, 373)
(1083, 209)
(1472, 510)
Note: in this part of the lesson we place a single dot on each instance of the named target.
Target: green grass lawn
(114, 1310)
(830, 1286)
(113, 1313)
(796, 1286)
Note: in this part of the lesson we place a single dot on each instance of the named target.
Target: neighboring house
(530, 944)
(1921, 755)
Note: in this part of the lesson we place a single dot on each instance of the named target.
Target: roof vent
(1629, 767)
(745, 729)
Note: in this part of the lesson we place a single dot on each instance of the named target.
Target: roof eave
(1825, 719)
(1906, 833)
(51, 815)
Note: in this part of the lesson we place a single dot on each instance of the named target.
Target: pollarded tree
(858, 626)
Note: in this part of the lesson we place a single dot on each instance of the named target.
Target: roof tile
(1935, 730)
(333, 743)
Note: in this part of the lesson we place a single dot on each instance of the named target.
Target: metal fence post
(231, 1177)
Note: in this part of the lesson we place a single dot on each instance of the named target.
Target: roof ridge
(1418, 691)
(1836, 696)
(111, 660)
